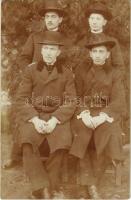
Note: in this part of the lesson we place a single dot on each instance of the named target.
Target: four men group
(60, 113)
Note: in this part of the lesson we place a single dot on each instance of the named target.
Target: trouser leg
(72, 168)
(16, 154)
(86, 171)
(53, 166)
(34, 168)
(103, 162)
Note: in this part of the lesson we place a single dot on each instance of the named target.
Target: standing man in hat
(45, 105)
(98, 16)
(53, 15)
(96, 123)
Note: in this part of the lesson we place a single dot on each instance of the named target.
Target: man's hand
(40, 125)
(51, 124)
(86, 118)
(103, 117)
(98, 120)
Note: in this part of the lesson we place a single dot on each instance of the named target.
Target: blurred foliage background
(21, 17)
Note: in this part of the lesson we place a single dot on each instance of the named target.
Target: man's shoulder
(66, 69)
(37, 34)
(31, 67)
(111, 37)
(84, 67)
(116, 73)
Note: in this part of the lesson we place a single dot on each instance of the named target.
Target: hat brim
(106, 14)
(59, 11)
(109, 44)
(51, 43)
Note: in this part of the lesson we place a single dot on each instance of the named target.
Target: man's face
(52, 20)
(50, 53)
(99, 54)
(97, 22)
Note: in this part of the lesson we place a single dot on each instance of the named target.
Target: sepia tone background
(19, 19)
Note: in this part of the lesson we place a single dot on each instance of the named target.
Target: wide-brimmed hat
(100, 40)
(52, 5)
(52, 38)
(99, 8)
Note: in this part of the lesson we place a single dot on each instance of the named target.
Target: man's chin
(98, 63)
(50, 28)
(95, 29)
(48, 61)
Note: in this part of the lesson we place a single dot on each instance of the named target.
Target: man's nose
(97, 55)
(48, 52)
(94, 22)
(49, 19)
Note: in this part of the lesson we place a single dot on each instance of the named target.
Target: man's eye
(94, 51)
(46, 47)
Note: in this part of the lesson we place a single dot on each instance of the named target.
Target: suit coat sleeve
(67, 109)
(26, 56)
(117, 58)
(80, 76)
(117, 104)
(24, 107)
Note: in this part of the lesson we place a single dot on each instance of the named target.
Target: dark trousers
(92, 167)
(41, 174)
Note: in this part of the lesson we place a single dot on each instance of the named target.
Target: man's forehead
(96, 15)
(51, 13)
(50, 45)
(100, 47)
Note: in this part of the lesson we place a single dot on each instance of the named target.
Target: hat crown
(52, 38)
(100, 8)
(52, 4)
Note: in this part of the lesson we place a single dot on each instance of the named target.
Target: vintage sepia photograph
(65, 99)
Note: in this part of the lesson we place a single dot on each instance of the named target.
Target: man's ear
(41, 50)
(105, 22)
(59, 52)
(60, 20)
(108, 54)
(90, 52)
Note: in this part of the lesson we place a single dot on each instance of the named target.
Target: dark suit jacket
(100, 90)
(44, 95)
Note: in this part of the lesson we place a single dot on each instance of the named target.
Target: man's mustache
(50, 23)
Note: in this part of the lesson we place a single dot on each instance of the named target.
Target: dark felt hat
(52, 38)
(52, 5)
(99, 40)
(99, 8)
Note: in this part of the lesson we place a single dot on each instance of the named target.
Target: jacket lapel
(49, 77)
(44, 75)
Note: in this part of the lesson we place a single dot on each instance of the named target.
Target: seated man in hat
(98, 15)
(45, 105)
(101, 102)
(53, 15)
